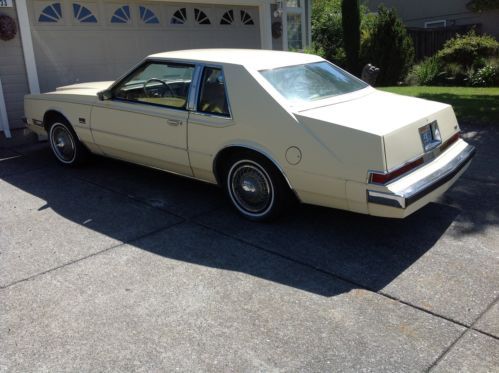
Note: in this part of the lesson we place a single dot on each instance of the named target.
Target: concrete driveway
(114, 267)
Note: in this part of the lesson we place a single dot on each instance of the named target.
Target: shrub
(486, 76)
(315, 49)
(480, 5)
(469, 50)
(427, 72)
(327, 31)
(351, 33)
(388, 47)
(455, 74)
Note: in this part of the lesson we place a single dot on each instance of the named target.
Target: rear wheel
(255, 187)
(65, 144)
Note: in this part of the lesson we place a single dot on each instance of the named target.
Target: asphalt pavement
(116, 267)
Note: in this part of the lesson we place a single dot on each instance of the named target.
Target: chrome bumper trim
(424, 186)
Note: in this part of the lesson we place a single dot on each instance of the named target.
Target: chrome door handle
(174, 122)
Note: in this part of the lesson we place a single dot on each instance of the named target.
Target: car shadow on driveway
(364, 251)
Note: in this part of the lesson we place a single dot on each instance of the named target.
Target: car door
(145, 119)
(209, 120)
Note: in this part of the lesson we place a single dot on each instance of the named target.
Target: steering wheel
(155, 80)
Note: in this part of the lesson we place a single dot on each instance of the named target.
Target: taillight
(383, 178)
(451, 140)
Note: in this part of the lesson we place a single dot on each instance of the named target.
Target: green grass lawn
(470, 104)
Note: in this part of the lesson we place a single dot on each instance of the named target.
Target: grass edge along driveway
(470, 103)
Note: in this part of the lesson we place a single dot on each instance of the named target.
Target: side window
(212, 98)
(157, 83)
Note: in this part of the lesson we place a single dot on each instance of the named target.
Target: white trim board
(4, 120)
(27, 44)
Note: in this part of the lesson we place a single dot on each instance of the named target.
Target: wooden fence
(428, 41)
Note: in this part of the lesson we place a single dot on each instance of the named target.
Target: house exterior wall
(13, 67)
(416, 13)
(13, 74)
(71, 51)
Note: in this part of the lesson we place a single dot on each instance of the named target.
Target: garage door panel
(78, 41)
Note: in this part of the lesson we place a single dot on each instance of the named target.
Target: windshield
(311, 82)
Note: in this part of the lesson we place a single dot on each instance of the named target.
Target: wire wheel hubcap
(62, 143)
(250, 188)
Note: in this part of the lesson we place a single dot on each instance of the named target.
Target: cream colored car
(268, 126)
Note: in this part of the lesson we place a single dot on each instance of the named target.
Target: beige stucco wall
(13, 74)
(416, 13)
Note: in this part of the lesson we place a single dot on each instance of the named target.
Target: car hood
(378, 112)
(90, 88)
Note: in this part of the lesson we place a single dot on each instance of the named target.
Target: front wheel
(256, 188)
(65, 144)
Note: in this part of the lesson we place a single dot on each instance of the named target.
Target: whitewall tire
(255, 187)
(65, 144)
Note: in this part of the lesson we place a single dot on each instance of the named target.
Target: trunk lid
(395, 118)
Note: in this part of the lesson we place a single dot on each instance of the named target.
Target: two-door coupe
(268, 126)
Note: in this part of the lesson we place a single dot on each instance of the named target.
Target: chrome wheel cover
(62, 143)
(250, 188)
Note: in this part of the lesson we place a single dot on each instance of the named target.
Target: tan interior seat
(213, 99)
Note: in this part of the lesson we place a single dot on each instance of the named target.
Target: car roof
(257, 59)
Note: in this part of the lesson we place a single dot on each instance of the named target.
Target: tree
(482, 5)
(350, 21)
(327, 34)
(389, 47)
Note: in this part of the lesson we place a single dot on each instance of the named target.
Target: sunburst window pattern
(246, 18)
(227, 18)
(179, 17)
(121, 15)
(201, 17)
(148, 16)
(51, 13)
(83, 14)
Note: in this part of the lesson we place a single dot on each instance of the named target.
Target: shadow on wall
(367, 251)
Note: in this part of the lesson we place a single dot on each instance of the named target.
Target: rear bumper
(413, 193)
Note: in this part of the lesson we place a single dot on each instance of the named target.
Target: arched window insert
(179, 17)
(246, 18)
(51, 13)
(83, 14)
(227, 18)
(121, 15)
(201, 17)
(148, 16)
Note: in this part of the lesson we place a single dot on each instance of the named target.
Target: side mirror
(104, 95)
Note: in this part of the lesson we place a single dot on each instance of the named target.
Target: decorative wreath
(8, 28)
(276, 29)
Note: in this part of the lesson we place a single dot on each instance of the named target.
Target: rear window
(311, 82)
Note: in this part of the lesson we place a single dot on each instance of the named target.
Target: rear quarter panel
(260, 122)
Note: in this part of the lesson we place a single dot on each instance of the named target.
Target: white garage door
(78, 41)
